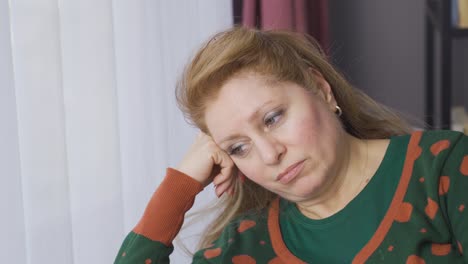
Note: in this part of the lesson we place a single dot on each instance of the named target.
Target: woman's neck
(359, 163)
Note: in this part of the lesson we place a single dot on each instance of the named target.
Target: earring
(339, 112)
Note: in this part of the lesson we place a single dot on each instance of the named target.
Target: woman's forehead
(245, 93)
(240, 100)
(244, 100)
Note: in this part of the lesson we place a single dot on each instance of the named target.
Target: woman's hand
(206, 163)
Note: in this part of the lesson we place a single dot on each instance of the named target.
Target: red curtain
(305, 16)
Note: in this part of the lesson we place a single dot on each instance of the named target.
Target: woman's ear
(324, 89)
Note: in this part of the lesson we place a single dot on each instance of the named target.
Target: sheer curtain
(88, 120)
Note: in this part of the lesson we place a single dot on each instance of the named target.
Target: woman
(312, 170)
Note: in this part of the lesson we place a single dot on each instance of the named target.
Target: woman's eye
(273, 118)
(238, 150)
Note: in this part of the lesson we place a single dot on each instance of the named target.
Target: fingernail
(242, 177)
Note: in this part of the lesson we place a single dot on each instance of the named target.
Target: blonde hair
(284, 56)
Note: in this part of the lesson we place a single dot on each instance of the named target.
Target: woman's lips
(290, 173)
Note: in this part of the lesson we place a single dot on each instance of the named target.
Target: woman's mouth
(291, 172)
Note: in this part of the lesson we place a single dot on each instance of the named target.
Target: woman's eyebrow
(257, 111)
(249, 120)
(231, 137)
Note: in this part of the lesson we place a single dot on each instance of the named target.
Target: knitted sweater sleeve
(454, 184)
(151, 240)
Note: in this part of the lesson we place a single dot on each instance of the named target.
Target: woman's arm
(455, 186)
(151, 240)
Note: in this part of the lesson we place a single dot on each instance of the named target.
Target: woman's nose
(270, 149)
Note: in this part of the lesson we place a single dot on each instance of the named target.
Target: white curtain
(88, 120)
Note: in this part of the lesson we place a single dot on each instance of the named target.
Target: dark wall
(379, 45)
(460, 72)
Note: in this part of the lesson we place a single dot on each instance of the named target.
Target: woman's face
(279, 135)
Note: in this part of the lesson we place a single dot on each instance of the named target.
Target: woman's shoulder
(439, 149)
(441, 141)
(442, 134)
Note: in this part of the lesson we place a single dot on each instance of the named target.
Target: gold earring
(339, 112)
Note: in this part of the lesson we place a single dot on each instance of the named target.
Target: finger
(231, 189)
(226, 164)
(223, 187)
(237, 175)
(221, 180)
(223, 184)
(238, 178)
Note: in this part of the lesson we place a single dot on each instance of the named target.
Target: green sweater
(412, 211)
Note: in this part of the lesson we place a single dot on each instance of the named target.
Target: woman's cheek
(303, 130)
(244, 168)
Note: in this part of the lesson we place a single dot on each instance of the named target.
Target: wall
(379, 45)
